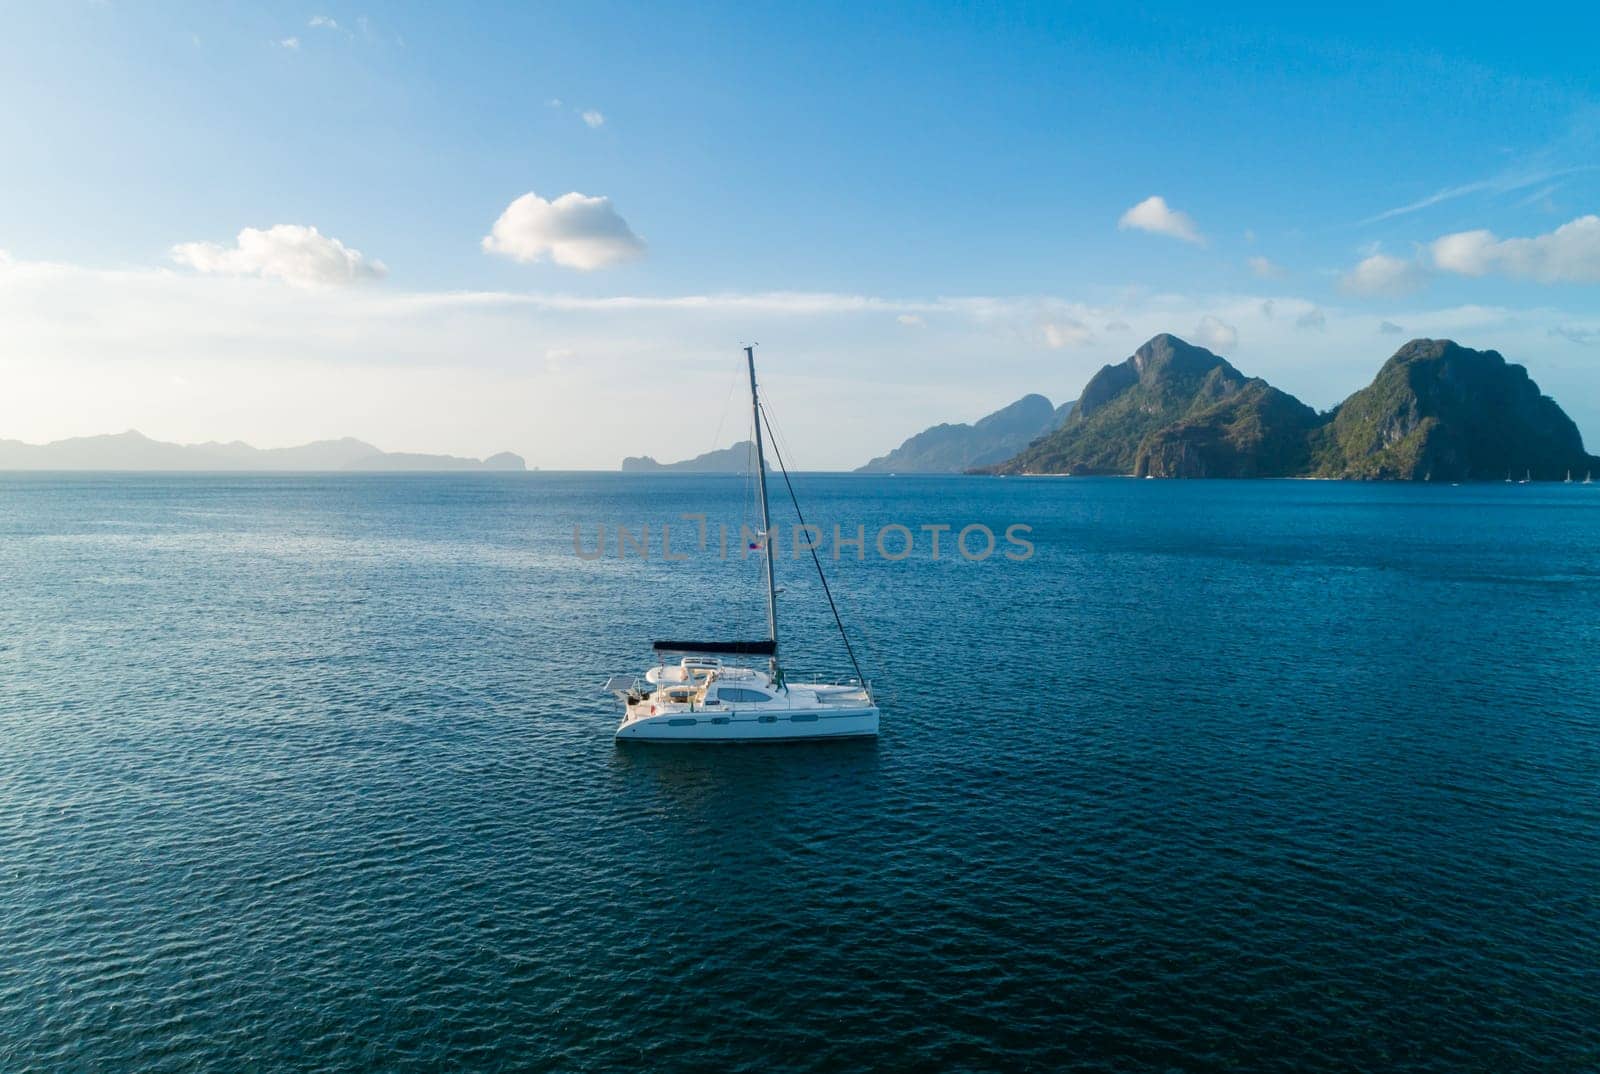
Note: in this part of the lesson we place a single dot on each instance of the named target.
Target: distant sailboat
(1589, 478)
(1527, 479)
(1508, 478)
(1568, 481)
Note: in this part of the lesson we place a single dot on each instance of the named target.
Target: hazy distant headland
(134, 451)
(951, 449)
(734, 459)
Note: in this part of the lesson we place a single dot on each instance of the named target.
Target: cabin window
(682, 721)
(739, 693)
(719, 719)
(804, 717)
(769, 719)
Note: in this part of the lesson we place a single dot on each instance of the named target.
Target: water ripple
(313, 773)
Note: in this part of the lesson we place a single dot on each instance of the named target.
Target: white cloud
(574, 230)
(781, 303)
(1466, 252)
(554, 102)
(1389, 328)
(1155, 216)
(289, 43)
(911, 320)
(322, 22)
(1066, 332)
(1313, 319)
(1504, 183)
(299, 255)
(1569, 254)
(1214, 335)
(594, 118)
(561, 377)
(1543, 198)
(1266, 269)
(1382, 274)
(1573, 334)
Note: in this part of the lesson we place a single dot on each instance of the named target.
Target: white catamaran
(700, 698)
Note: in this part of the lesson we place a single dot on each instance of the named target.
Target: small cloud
(1467, 253)
(594, 118)
(322, 22)
(1313, 319)
(554, 102)
(1215, 335)
(1268, 308)
(298, 255)
(555, 359)
(911, 320)
(1389, 328)
(1572, 334)
(1569, 254)
(1249, 235)
(1266, 269)
(290, 43)
(1066, 333)
(1382, 274)
(575, 230)
(1119, 326)
(1155, 216)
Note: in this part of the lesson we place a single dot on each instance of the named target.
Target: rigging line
(859, 615)
(750, 502)
(848, 648)
(773, 426)
(726, 402)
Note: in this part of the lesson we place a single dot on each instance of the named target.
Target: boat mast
(766, 523)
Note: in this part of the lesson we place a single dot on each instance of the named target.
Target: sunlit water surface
(313, 773)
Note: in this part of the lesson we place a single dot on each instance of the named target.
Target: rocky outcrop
(1257, 431)
(1439, 409)
(1161, 383)
(1436, 410)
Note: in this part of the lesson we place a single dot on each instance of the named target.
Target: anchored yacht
(701, 697)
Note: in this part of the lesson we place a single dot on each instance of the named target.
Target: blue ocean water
(314, 773)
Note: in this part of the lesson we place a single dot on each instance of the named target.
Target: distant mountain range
(135, 451)
(952, 449)
(729, 460)
(1436, 410)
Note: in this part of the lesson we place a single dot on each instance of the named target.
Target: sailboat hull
(829, 723)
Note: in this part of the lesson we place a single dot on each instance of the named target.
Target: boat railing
(814, 679)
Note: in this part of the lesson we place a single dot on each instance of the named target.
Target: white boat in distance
(701, 698)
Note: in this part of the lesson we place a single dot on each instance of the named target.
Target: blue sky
(921, 214)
